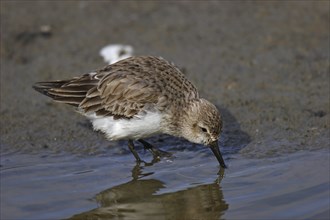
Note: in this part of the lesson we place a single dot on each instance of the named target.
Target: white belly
(135, 128)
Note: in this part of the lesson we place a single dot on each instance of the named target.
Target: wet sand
(265, 65)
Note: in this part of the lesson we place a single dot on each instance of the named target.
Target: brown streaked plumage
(139, 97)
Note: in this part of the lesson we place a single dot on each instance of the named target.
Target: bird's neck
(177, 121)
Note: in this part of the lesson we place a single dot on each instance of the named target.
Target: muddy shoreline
(264, 64)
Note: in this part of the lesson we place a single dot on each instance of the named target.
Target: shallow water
(187, 186)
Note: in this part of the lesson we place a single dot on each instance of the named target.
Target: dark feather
(123, 89)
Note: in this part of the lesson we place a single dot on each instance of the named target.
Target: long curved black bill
(216, 151)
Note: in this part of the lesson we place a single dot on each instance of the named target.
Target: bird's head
(203, 125)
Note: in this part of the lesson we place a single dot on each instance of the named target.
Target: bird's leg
(155, 152)
(131, 148)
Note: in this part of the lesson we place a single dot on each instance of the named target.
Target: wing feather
(124, 89)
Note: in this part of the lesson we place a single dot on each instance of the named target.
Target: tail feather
(67, 94)
(44, 87)
(49, 84)
(65, 91)
(75, 101)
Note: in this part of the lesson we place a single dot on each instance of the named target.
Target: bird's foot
(157, 154)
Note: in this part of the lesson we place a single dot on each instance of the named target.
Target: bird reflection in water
(139, 199)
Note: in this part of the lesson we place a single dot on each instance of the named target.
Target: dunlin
(139, 97)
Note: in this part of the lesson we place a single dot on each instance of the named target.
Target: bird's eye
(203, 129)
